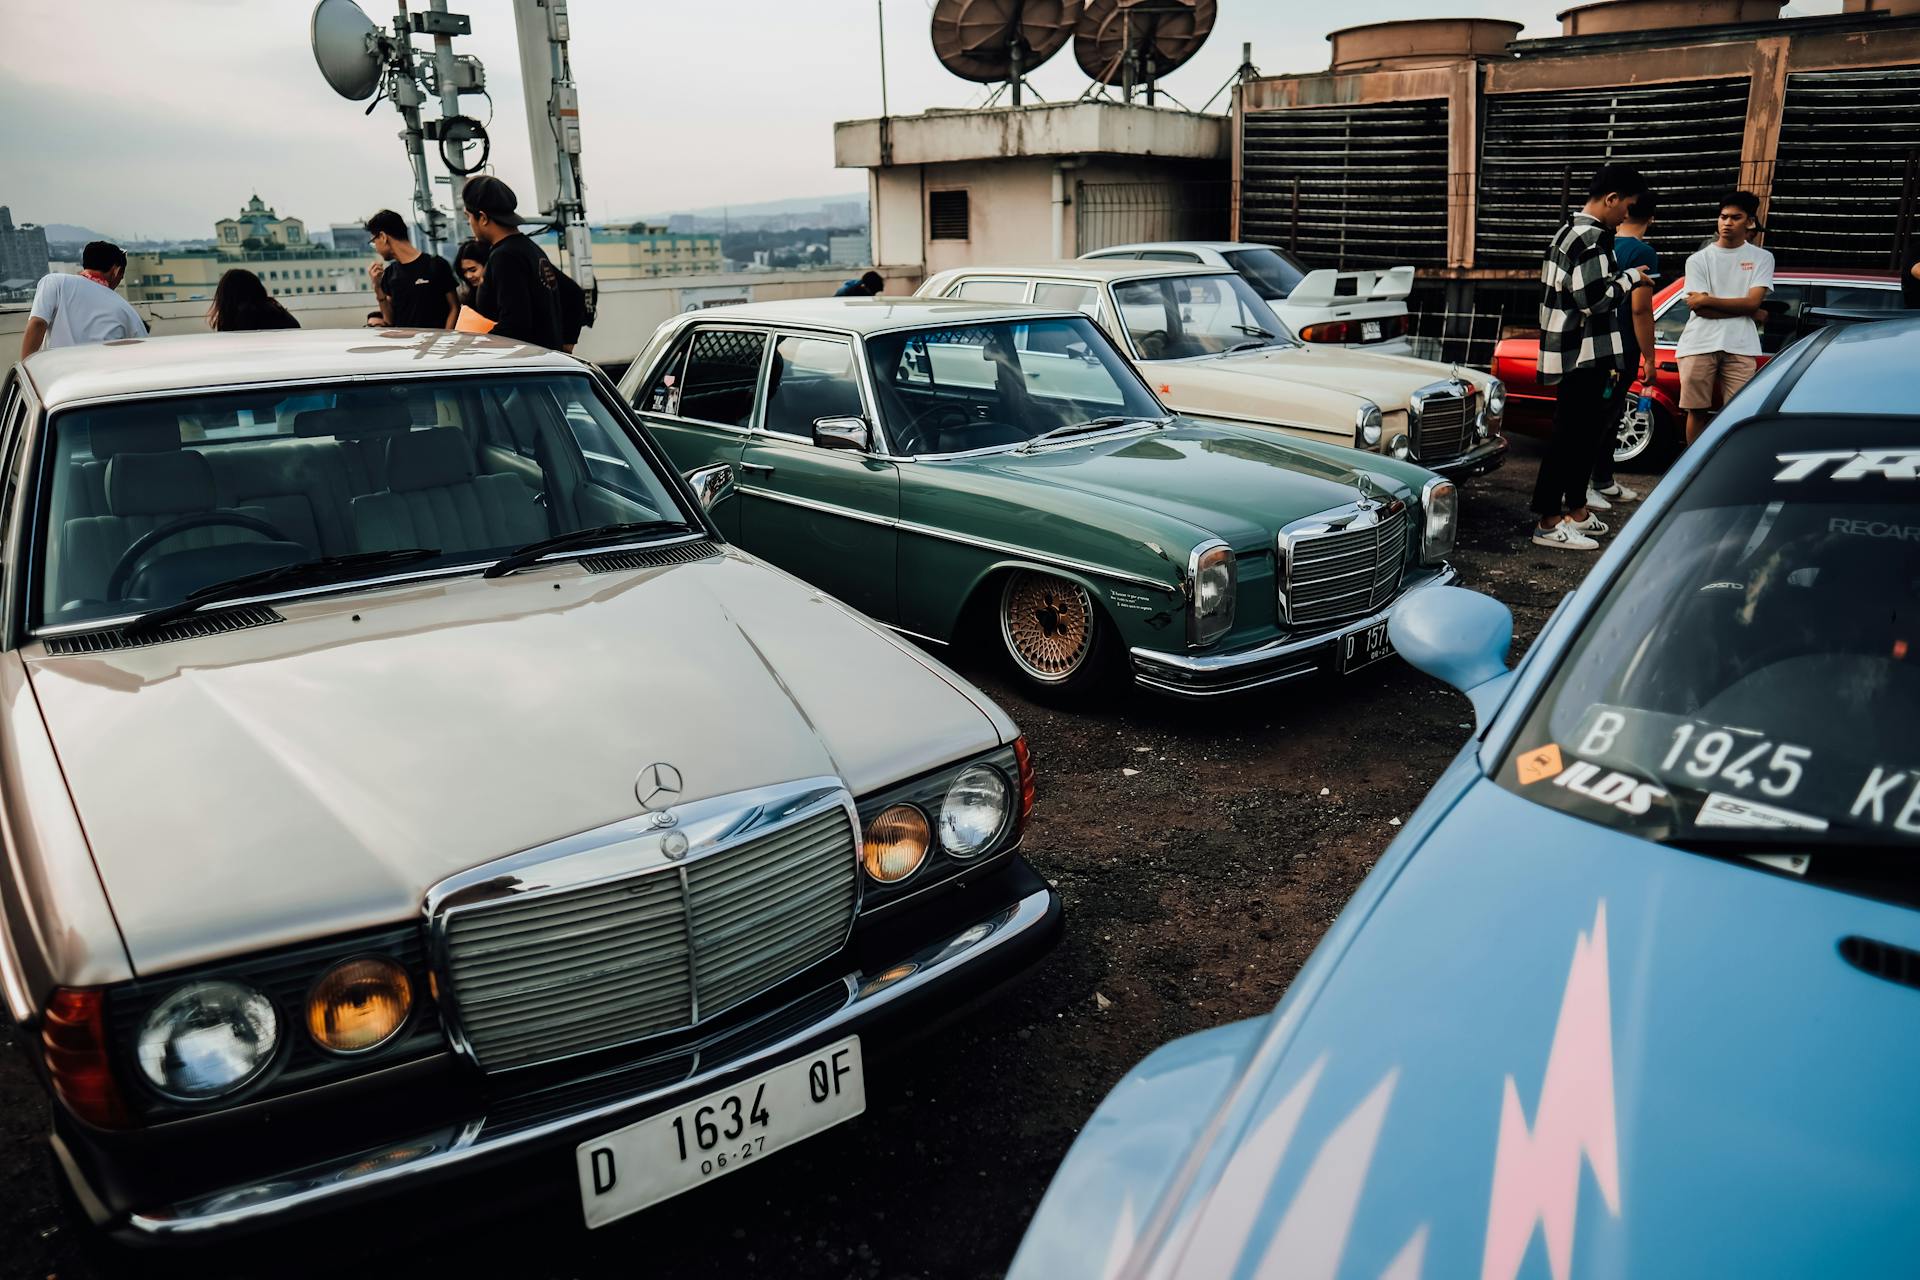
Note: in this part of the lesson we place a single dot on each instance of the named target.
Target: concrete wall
(630, 310)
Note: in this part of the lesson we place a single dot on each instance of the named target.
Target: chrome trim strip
(967, 540)
(1208, 665)
(913, 635)
(620, 851)
(454, 1146)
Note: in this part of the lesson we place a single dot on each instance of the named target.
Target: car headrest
(352, 422)
(107, 437)
(428, 459)
(159, 484)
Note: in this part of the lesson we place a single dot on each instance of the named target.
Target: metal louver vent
(1372, 183)
(1845, 138)
(1684, 139)
(947, 215)
(649, 557)
(188, 628)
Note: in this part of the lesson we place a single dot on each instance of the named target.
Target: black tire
(1056, 638)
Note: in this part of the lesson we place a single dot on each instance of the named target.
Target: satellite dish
(346, 44)
(1001, 40)
(1131, 42)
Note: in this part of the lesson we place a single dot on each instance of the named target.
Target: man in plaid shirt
(1584, 298)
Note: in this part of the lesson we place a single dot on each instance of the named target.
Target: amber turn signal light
(359, 1004)
(73, 1036)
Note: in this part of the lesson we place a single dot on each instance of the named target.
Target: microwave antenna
(999, 41)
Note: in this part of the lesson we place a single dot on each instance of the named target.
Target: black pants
(1609, 436)
(1586, 408)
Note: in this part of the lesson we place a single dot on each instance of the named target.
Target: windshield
(981, 386)
(1173, 317)
(1759, 664)
(152, 500)
(1269, 271)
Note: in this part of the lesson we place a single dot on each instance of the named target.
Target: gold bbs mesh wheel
(1048, 625)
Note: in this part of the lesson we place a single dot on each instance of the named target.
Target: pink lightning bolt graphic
(1536, 1174)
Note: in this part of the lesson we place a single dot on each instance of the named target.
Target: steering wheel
(1153, 343)
(143, 545)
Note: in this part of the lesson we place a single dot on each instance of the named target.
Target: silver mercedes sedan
(400, 775)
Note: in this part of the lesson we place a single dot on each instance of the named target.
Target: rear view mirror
(1459, 636)
(711, 484)
(842, 433)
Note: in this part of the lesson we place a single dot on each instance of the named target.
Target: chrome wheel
(1636, 434)
(1048, 626)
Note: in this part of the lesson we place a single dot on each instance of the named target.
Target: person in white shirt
(1727, 286)
(69, 310)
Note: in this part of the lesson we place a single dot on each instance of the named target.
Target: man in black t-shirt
(514, 294)
(415, 290)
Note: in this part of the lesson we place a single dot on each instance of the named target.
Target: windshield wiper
(1253, 329)
(1093, 424)
(299, 574)
(1252, 344)
(524, 556)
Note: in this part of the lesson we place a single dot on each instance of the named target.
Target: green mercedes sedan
(956, 468)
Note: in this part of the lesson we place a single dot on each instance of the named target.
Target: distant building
(847, 251)
(348, 235)
(23, 254)
(845, 213)
(644, 250)
(272, 247)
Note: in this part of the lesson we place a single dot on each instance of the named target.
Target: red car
(1651, 439)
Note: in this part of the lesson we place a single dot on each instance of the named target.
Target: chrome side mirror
(842, 433)
(1461, 637)
(711, 484)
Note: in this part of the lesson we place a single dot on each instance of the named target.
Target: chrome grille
(1346, 568)
(553, 973)
(1445, 427)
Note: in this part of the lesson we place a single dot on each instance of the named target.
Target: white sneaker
(1616, 491)
(1593, 526)
(1563, 537)
(1596, 502)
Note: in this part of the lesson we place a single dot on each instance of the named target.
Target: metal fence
(1456, 337)
(1110, 213)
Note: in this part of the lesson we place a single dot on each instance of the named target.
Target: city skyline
(111, 145)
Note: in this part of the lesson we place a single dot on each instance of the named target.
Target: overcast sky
(154, 117)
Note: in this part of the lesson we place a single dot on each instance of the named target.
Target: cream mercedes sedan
(400, 775)
(1214, 349)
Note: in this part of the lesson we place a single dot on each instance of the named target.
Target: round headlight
(974, 811)
(358, 1004)
(1366, 426)
(896, 843)
(206, 1039)
(1400, 446)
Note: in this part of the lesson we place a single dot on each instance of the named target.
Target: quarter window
(810, 379)
(723, 365)
(992, 290)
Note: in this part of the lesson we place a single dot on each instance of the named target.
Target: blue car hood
(1549, 1050)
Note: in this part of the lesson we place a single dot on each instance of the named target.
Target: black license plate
(1364, 647)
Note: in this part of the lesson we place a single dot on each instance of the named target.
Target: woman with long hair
(471, 265)
(241, 302)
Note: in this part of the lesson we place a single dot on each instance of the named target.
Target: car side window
(1080, 297)
(722, 371)
(1786, 307)
(1668, 324)
(991, 290)
(807, 380)
(1860, 297)
(12, 431)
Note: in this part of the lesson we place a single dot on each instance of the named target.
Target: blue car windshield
(1758, 664)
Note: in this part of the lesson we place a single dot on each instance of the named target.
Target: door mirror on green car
(842, 433)
(710, 484)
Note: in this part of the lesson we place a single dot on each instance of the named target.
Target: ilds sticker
(1543, 762)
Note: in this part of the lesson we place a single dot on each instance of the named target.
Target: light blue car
(1634, 993)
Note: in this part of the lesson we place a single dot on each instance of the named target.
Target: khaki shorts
(1699, 375)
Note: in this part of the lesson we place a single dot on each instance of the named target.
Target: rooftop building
(23, 256)
(272, 247)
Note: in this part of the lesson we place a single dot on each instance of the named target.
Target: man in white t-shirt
(69, 310)
(1727, 285)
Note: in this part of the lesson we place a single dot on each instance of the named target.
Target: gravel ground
(1202, 852)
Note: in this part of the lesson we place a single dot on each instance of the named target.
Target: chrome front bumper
(1482, 458)
(856, 1000)
(1204, 675)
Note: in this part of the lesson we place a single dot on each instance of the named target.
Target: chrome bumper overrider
(1201, 675)
(401, 1163)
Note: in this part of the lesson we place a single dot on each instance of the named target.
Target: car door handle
(756, 468)
(1668, 366)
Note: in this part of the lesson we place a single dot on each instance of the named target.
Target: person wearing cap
(514, 294)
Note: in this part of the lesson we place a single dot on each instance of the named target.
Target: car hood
(318, 775)
(1388, 381)
(1551, 1049)
(1239, 484)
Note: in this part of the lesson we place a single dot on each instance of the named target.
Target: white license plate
(1364, 647)
(1370, 330)
(664, 1155)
